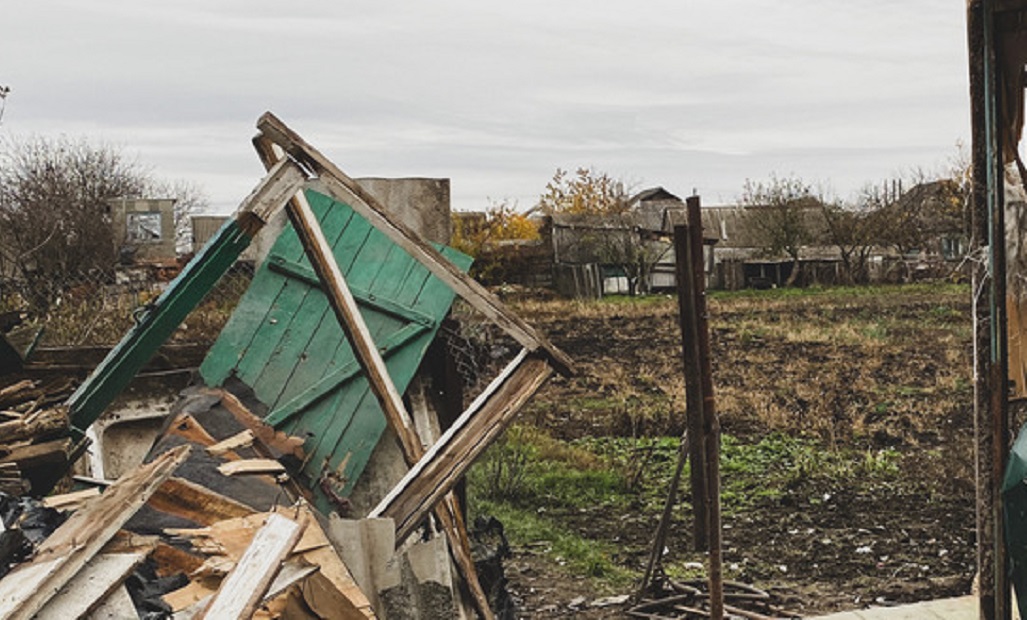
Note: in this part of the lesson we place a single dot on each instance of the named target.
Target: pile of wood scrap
(263, 565)
(35, 448)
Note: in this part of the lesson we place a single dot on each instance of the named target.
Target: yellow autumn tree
(500, 222)
(587, 191)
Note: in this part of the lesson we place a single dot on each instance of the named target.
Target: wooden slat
(117, 606)
(242, 590)
(340, 186)
(100, 576)
(70, 501)
(46, 422)
(75, 542)
(196, 503)
(249, 467)
(243, 439)
(448, 460)
(32, 455)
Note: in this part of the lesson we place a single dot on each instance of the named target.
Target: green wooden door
(284, 342)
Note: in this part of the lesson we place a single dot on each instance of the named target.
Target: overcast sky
(685, 94)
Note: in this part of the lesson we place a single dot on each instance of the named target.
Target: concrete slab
(962, 608)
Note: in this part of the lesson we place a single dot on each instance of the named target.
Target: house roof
(653, 193)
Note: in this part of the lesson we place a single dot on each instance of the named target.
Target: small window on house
(143, 227)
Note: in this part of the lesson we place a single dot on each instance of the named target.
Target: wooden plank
(248, 467)
(261, 304)
(347, 444)
(243, 589)
(75, 542)
(331, 383)
(39, 424)
(448, 460)
(310, 347)
(117, 606)
(341, 187)
(242, 439)
(32, 455)
(100, 576)
(341, 300)
(70, 501)
(278, 353)
(196, 503)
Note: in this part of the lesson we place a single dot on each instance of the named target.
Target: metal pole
(991, 426)
(688, 318)
(711, 424)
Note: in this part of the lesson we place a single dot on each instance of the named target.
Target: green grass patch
(925, 288)
(579, 556)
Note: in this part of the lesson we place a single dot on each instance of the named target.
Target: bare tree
(778, 213)
(55, 215)
(587, 192)
(54, 212)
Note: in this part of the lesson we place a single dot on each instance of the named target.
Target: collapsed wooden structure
(294, 484)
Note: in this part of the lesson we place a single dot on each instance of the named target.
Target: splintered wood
(267, 562)
(35, 450)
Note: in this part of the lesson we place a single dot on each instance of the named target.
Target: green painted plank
(261, 304)
(329, 384)
(375, 301)
(292, 309)
(314, 351)
(253, 309)
(156, 325)
(343, 408)
(347, 444)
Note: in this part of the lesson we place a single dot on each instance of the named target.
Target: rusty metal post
(991, 424)
(711, 423)
(688, 319)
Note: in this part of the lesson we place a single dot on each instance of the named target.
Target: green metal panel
(284, 341)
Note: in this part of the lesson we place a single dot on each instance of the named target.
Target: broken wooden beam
(243, 589)
(445, 463)
(43, 423)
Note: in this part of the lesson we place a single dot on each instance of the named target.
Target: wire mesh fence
(97, 307)
(478, 347)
